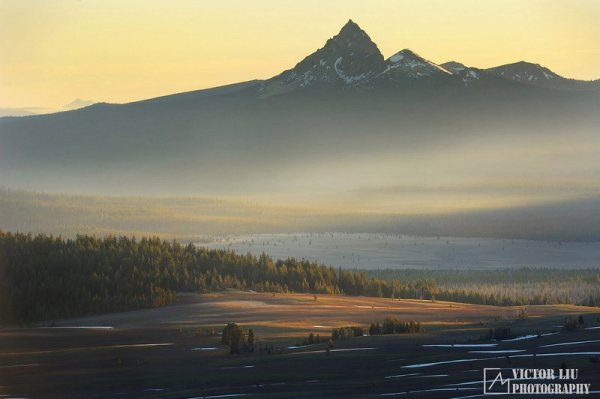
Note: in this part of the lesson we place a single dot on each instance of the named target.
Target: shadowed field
(164, 352)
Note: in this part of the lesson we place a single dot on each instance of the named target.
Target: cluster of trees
(312, 339)
(346, 332)
(393, 325)
(44, 277)
(572, 324)
(237, 340)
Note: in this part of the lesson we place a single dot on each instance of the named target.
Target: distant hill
(28, 111)
(76, 104)
(537, 75)
(16, 112)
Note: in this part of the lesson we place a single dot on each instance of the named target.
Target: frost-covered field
(378, 251)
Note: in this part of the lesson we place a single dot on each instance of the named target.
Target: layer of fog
(381, 251)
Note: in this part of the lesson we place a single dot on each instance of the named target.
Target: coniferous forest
(44, 277)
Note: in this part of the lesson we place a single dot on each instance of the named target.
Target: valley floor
(165, 353)
(389, 251)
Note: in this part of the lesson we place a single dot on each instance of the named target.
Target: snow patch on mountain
(411, 65)
(344, 77)
(397, 57)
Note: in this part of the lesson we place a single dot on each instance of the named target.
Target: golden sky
(52, 52)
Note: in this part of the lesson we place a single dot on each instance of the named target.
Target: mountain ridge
(352, 59)
(331, 66)
(260, 135)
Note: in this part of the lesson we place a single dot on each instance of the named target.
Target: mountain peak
(352, 36)
(524, 72)
(526, 64)
(454, 66)
(406, 52)
(407, 64)
(348, 58)
(349, 27)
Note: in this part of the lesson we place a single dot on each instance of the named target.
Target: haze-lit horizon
(125, 51)
(404, 140)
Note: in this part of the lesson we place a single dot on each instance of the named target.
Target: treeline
(500, 287)
(44, 277)
(391, 325)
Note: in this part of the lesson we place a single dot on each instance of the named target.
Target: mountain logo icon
(494, 383)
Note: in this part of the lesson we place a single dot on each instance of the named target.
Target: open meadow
(176, 352)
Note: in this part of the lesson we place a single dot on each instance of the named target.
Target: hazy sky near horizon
(52, 52)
